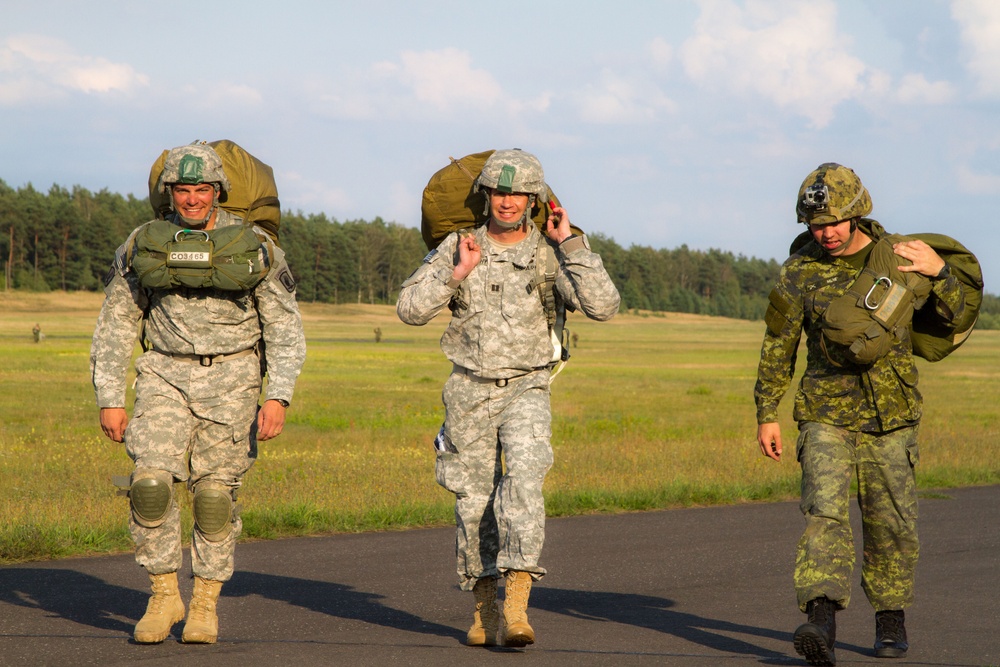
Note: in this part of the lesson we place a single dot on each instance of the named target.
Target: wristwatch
(943, 273)
(283, 402)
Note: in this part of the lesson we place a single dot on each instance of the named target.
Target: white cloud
(36, 67)
(977, 183)
(916, 89)
(438, 84)
(446, 80)
(660, 52)
(616, 99)
(979, 23)
(788, 52)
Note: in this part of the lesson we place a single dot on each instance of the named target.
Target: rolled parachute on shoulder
(253, 193)
(450, 202)
(934, 339)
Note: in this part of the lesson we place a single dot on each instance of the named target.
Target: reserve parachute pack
(253, 194)
(450, 203)
(231, 258)
(864, 322)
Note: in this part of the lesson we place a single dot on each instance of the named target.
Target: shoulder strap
(546, 267)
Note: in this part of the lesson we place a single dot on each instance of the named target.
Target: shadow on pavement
(74, 596)
(334, 600)
(655, 613)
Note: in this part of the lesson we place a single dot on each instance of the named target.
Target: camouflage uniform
(497, 397)
(851, 418)
(193, 422)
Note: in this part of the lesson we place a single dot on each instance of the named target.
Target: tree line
(65, 239)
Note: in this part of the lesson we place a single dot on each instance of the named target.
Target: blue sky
(658, 123)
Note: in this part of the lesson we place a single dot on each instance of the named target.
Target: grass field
(653, 411)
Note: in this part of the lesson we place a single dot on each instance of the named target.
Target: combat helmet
(192, 164)
(514, 170)
(831, 193)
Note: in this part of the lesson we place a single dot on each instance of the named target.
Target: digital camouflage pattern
(498, 327)
(514, 170)
(851, 417)
(498, 331)
(500, 518)
(832, 193)
(878, 397)
(887, 494)
(184, 409)
(192, 164)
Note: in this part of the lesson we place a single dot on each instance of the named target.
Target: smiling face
(194, 202)
(508, 208)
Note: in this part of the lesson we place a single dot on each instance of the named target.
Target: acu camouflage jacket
(875, 398)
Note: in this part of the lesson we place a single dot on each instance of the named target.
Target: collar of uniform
(223, 218)
(521, 255)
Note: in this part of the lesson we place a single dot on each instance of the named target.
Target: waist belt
(500, 382)
(207, 359)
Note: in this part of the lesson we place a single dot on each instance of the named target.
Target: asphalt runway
(700, 587)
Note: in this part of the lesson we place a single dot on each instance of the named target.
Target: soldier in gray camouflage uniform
(196, 417)
(853, 419)
(494, 449)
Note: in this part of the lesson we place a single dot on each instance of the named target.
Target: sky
(659, 123)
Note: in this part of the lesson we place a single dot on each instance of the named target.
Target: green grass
(651, 412)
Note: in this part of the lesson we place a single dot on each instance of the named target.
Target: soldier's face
(836, 239)
(193, 201)
(506, 207)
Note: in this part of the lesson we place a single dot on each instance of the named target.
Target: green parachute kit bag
(863, 321)
(450, 202)
(232, 258)
(253, 195)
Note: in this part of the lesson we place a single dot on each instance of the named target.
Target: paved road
(700, 587)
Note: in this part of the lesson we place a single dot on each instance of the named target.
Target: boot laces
(890, 628)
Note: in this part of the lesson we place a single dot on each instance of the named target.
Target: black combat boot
(890, 634)
(814, 640)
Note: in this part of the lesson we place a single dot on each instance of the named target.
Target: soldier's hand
(557, 225)
(769, 439)
(925, 260)
(469, 254)
(270, 420)
(113, 423)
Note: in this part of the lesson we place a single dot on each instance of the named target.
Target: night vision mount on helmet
(831, 193)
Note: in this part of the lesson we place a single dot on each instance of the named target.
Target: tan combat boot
(164, 609)
(517, 632)
(486, 620)
(202, 625)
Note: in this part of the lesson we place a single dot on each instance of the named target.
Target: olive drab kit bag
(450, 203)
(231, 258)
(863, 323)
(253, 194)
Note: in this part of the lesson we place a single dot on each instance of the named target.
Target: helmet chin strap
(194, 223)
(509, 226)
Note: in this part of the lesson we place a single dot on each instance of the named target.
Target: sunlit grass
(651, 412)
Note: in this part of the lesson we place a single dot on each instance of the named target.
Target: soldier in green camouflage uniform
(196, 417)
(853, 419)
(494, 449)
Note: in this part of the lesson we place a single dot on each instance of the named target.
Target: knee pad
(151, 496)
(213, 511)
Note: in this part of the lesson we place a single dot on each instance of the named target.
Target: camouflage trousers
(192, 424)
(887, 495)
(494, 456)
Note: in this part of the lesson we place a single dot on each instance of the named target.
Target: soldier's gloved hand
(113, 423)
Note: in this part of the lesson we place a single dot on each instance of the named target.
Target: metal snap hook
(192, 231)
(883, 279)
